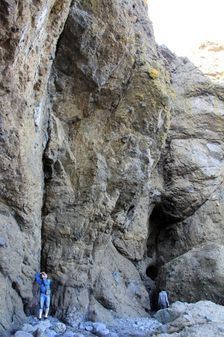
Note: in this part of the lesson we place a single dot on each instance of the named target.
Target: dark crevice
(59, 43)
(158, 222)
(25, 301)
(47, 170)
(152, 271)
(130, 212)
(3, 326)
(48, 162)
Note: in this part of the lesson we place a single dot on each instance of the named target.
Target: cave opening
(158, 223)
(152, 271)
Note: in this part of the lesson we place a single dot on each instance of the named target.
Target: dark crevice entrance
(152, 272)
(48, 172)
(157, 224)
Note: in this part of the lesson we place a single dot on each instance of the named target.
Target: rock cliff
(111, 163)
(29, 33)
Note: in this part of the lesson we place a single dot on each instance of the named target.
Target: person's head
(43, 275)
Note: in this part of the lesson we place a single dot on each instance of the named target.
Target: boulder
(200, 274)
(100, 329)
(23, 334)
(59, 327)
(203, 318)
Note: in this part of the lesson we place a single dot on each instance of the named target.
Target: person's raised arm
(38, 278)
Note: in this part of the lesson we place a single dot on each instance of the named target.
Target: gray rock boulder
(28, 327)
(23, 334)
(40, 333)
(59, 327)
(201, 270)
(203, 318)
(100, 329)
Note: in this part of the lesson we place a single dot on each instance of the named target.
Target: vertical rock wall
(29, 32)
(108, 124)
(78, 152)
(190, 240)
(111, 162)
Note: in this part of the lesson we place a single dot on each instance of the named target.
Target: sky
(183, 24)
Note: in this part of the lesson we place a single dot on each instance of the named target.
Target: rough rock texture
(203, 318)
(108, 124)
(192, 204)
(111, 163)
(29, 32)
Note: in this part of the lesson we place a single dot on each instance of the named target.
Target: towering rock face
(191, 238)
(111, 162)
(78, 149)
(109, 119)
(29, 32)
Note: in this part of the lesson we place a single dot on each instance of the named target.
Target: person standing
(45, 293)
(163, 301)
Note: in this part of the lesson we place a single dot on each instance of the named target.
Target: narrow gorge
(112, 164)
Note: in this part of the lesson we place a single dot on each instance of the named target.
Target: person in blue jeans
(45, 293)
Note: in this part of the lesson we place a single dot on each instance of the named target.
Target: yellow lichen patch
(139, 96)
(57, 8)
(153, 73)
(94, 5)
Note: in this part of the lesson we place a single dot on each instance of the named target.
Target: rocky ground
(204, 319)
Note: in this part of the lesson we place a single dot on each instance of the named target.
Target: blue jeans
(44, 301)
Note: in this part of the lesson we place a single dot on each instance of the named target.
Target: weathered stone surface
(181, 319)
(23, 334)
(203, 318)
(40, 333)
(28, 328)
(109, 120)
(29, 32)
(111, 160)
(200, 274)
(194, 157)
(188, 219)
(60, 327)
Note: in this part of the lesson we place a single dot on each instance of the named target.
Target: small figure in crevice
(45, 293)
(163, 301)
